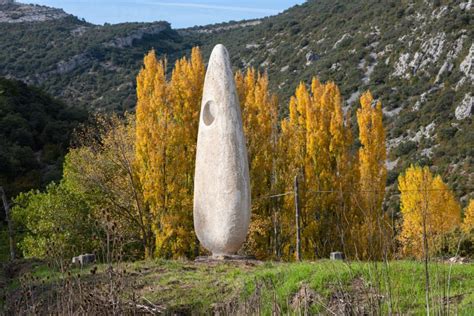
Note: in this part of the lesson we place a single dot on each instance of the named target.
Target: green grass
(184, 286)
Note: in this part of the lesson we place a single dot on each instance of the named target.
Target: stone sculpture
(221, 183)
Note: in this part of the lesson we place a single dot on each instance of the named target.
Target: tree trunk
(9, 223)
(297, 215)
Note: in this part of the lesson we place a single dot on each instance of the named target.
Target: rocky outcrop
(76, 61)
(219, 28)
(311, 57)
(342, 39)
(452, 54)
(12, 12)
(430, 51)
(466, 66)
(62, 67)
(464, 109)
(127, 41)
(70, 64)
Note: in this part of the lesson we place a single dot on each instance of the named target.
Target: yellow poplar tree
(259, 115)
(468, 221)
(167, 117)
(429, 210)
(185, 93)
(317, 140)
(372, 229)
(152, 120)
(334, 169)
(292, 146)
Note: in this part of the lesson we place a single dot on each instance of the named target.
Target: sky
(180, 13)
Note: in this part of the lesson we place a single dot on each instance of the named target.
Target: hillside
(88, 65)
(34, 135)
(415, 56)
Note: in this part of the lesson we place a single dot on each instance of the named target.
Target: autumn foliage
(468, 222)
(260, 122)
(372, 228)
(167, 117)
(341, 185)
(429, 210)
(138, 172)
(315, 146)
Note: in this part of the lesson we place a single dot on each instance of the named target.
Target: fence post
(9, 223)
(297, 215)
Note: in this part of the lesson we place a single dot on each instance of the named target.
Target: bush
(57, 223)
(405, 148)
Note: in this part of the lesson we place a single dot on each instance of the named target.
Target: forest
(35, 132)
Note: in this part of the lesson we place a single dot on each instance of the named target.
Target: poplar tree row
(130, 180)
(342, 188)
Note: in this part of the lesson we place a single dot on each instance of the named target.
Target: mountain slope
(415, 56)
(89, 65)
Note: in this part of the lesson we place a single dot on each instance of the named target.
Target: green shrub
(57, 223)
(405, 148)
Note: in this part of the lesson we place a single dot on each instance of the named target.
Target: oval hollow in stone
(209, 112)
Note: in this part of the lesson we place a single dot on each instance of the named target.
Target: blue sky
(180, 13)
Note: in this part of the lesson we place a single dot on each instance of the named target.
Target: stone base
(224, 257)
(245, 260)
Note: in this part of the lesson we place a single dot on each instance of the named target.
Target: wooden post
(425, 245)
(297, 215)
(9, 223)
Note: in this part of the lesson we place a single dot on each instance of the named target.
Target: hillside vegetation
(415, 56)
(90, 65)
(35, 131)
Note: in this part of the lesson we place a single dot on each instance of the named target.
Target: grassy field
(184, 287)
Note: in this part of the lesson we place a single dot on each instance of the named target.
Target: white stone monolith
(221, 182)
